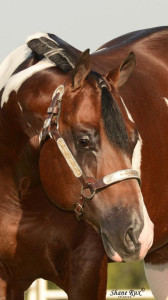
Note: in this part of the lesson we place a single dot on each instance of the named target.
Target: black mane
(47, 46)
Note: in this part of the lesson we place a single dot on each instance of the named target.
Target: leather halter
(90, 186)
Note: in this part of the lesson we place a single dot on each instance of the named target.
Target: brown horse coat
(41, 240)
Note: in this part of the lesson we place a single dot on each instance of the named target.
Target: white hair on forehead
(127, 111)
(11, 62)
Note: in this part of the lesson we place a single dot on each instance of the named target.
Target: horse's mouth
(110, 251)
(116, 256)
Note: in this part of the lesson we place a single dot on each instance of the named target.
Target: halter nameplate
(120, 176)
(72, 163)
(59, 91)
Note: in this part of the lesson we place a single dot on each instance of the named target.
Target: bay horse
(76, 139)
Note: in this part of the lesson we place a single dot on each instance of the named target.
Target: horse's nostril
(132, 235)
(127, 238)
(131, 240)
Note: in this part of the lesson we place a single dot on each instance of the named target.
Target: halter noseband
(90, 186)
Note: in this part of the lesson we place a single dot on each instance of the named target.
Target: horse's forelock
(113, 120)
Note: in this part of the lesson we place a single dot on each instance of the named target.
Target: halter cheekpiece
(89, 186)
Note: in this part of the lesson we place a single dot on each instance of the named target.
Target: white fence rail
(39, 291)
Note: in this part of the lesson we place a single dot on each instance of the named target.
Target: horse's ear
(82, 69)
(120, 75)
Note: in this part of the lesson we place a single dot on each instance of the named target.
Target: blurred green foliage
(52, 286)
(126, 276)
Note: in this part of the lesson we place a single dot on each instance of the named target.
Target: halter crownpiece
(89, 187)
(53, 114)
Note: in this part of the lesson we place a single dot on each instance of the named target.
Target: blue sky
(84, 24)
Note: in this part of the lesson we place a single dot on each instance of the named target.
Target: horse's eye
(84, 142)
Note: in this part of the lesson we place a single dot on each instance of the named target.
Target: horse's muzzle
(120, 235)
(129, 247)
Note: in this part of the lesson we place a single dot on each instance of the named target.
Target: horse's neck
(26, 170)
(21, 119)
(20, 178)
(14, 135)
(12, 78)
(26, 164)
(24, 103)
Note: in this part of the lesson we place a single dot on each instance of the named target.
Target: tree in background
(126, 276)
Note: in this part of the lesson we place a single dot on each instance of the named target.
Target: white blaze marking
(15, 82)
(166, 100)
(127, 111)
(157, 276)
(147, 233)
(11, 62)
(137, 156)
(146, 236)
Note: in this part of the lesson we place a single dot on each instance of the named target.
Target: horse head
(94, 126)
(87, 142)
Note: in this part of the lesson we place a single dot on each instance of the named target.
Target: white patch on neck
(15, 81)
(127, 111)
(11, 62)
(157, 277)
(166, 100)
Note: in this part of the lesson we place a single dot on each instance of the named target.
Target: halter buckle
(88, 192)
(47, 123)
(78, 210)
